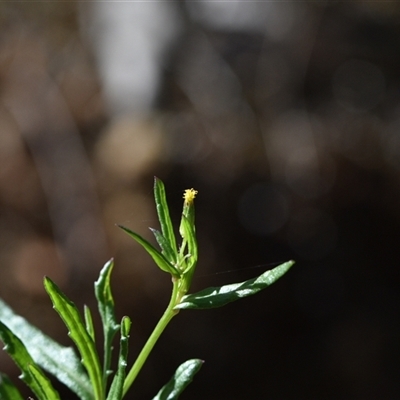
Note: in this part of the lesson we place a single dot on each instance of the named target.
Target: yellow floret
(189, 195)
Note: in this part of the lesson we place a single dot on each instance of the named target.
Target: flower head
(189, 196)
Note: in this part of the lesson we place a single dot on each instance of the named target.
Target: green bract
(87, 376)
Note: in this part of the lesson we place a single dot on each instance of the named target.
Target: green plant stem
(107, 358)
(169, 313)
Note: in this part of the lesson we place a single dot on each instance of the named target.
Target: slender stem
(169, 313)
(107, 357)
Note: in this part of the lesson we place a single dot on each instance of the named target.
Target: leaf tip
(290, 263)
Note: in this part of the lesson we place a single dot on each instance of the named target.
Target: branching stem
(169, 313)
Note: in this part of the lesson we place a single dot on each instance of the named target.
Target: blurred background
(285, 116)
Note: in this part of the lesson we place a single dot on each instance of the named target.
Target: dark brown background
(292, 139)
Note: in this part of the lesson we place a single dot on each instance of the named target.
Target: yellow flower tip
(189, 195)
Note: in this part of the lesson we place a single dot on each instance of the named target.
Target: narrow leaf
(78, 333)
(182, 377)
(17, 351)
(116, 390)
(163, 213)
(219, 296)
(89, 322)
(60, 361)
(165, 246)
(158, 258)
(190, 236)
(105, 301)
(102, 288)
(46, 389)
(8, 390)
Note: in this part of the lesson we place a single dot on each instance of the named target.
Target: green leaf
(219, 296)
(158, 258)
(89, 322)
(190, 236)
(8, 390)
(46, 389)
(105, 301)
(18, 352)
(182, 377)
(165, 246)
(60, 361)
(163, 214)
(117, 386)
(78, 333)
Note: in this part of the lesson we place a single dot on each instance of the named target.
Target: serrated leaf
(165, 246)
(158, 258)
(60, 361)
(78, 333)
(105, 301)
(182, 377)
(46, 389)
(116, 390)
(7, 389)
(219, 296)
(18, 352)
(163, 213)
